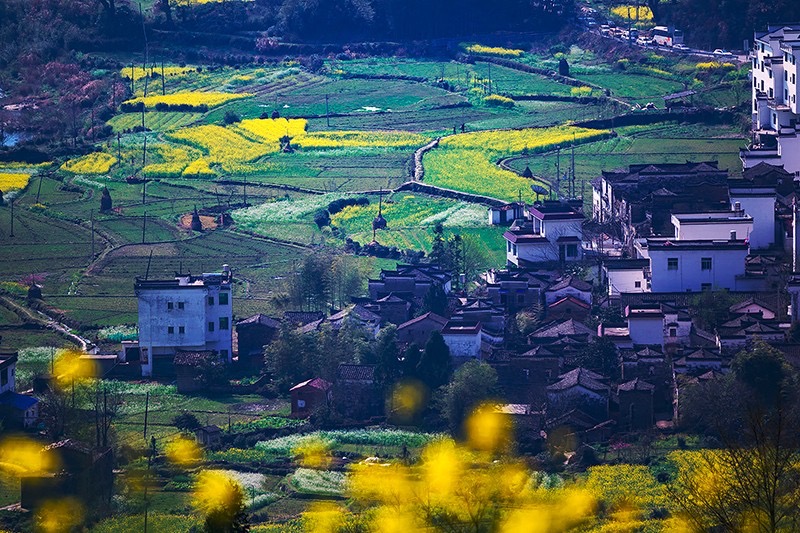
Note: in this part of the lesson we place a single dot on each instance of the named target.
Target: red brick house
(309, 395)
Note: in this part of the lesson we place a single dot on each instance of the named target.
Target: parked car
(722, 53)
(681, 47)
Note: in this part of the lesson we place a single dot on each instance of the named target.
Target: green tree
(411, 359)
(473, 383)
(765, 371)
(383, 353)
(434, 365)
(711, 308)
(601, 355)
(435, 301)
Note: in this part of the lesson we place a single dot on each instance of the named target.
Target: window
(673, 332)
(223, 298)
(508, 246)
(572, 250)
(705, 286)
(169, 305)
(210, 300)
(210, 326)
(705, 263)
(637, 284)
(301, 403)
(223, 322)
(672, 263)
(181, 330)
(171, 330)
(180, 305)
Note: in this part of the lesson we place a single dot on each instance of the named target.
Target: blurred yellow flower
(183, 451)
(59, 516)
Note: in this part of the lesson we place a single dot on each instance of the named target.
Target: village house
(635, 401)
(626, 276)
(552, 233)
(579, 389)
(189, 313)
(309, 396)
(506, 214)
(356, 393)
(516, 289)
(569, 286)
(252, 334)
(16, 410)
(418, 330)
(774, 98)
(354, 316)
(410, 282)
(463, 339)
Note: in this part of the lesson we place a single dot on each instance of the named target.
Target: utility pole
(11, 201)
(558, 172)
(146, 409)
(39, 190)
(92, 219)
(144, 189)
(144, 226)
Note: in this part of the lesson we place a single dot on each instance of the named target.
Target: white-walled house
(463, 339)
(569, 286)
(553, 232)
(645, 324)
(626, 275)
(712, 226)
(774, 98)
(756, 199)
(187, 313)
(679, 266)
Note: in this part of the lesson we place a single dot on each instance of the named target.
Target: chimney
(737, 209)
(733, 234)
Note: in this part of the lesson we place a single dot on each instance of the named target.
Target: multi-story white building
(774, 98)
(187, 313)
(552, 232)
(697, 265)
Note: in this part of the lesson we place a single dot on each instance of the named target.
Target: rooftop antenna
(149, 259)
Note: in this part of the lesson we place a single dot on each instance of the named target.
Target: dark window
(572, 250)
(210, 300)
(672, 263)
(170, 329)
(180, 305)
(181, 330)
(170, 305)
(210, 326)
(4, 377)
(223, 298)
(673, 332)
(637, 284)
(705, 263)
(223, 322)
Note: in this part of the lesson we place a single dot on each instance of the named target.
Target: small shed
(506, 213)
(208, 436)
(309, 395)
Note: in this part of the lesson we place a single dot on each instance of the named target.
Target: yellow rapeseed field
(139, 72)
(273, 129)
(494, 50)
(10, 181)
(94, 163)
(509, 141)
(629, 12)
(192, 98)
(358, 139)
(199, 169)
(222, 145)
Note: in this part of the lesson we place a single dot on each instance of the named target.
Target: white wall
(649, 330)
(725, 266)
(463, 345)
(620, 281)
(762, 209)
(697, 230)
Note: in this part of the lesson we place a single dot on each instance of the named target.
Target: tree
(322, 218)
(287, 357)
(220, 499)
(434, 365)
(474, 258)
(211, 372)
(186, 422)
(105, 201)
(755, 474)
(473, 383)
(438, 254)
(231, 117)
(106, 408)
(411, 359)
(601, 355)
(435, 301)
(711, 308)
(384, 354)
(563, 67)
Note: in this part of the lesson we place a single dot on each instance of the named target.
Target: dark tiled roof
(355, 372)
(580, 376)
(571, 281)
(636, 385)
(302, 317)
(569, 299)
(314, 383)
(18, 401)
(422, 318)
(564, 327)
(259, 319)
(191, 358)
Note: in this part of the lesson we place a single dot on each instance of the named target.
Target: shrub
(231, 117)
(186, 422)
(322, 218)
(497, 100)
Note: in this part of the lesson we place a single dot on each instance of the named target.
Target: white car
(681, 47)
(721, 52)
